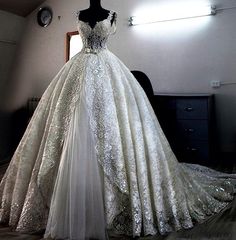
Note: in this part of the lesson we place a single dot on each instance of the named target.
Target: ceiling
(20, 7)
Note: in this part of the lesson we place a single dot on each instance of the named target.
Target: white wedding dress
(94, 158)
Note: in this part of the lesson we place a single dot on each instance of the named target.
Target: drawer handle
(190, 130)
(191, 149)
(188, 109)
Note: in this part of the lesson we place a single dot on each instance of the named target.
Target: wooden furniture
(187, 121)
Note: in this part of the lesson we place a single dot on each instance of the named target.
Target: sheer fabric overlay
(77, 210)
(95, 148)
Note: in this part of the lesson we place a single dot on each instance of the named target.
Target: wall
(11, 27)
(181, 56)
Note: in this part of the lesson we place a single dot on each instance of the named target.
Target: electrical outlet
(215, 84)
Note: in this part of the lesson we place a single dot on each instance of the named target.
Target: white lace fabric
(95, 125)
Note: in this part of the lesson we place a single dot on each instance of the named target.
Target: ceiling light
(174, 13)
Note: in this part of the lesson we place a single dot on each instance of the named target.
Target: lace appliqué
(104, 123)
(63, 111)
(27, 185)
(95, 39)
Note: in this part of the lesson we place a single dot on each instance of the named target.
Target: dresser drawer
(192, 129)
(194, 151)
(196, 108)
(187, 122)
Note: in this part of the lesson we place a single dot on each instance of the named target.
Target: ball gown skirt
(94, 158)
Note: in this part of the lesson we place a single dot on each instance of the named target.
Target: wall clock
(44, 16)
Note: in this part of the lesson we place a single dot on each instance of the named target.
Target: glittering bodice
(95, 39)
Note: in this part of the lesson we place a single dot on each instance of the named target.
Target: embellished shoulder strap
(112, 17)
(77, 13)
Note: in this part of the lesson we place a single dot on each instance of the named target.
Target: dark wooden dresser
(187, 120)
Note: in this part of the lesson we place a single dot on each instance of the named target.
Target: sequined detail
(95, 39)
(31, 174)
(145, 190)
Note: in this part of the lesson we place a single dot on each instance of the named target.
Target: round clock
(44, 16)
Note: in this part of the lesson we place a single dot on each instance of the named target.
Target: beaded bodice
(95, 39)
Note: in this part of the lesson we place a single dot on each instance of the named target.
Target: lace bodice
(95, 39)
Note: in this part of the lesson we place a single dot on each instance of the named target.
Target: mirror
(73, 44)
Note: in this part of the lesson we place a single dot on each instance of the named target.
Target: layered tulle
(77, 210)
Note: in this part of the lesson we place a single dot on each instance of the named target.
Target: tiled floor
(221, 227)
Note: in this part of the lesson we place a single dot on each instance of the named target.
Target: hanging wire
(227, 83)
(224, 8)
(7, 42)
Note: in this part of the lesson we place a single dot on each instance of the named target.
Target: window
(73, 44)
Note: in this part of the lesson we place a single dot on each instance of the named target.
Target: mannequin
(95, 13)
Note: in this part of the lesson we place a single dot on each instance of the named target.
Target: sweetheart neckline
(97, 22)
(92, 28)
